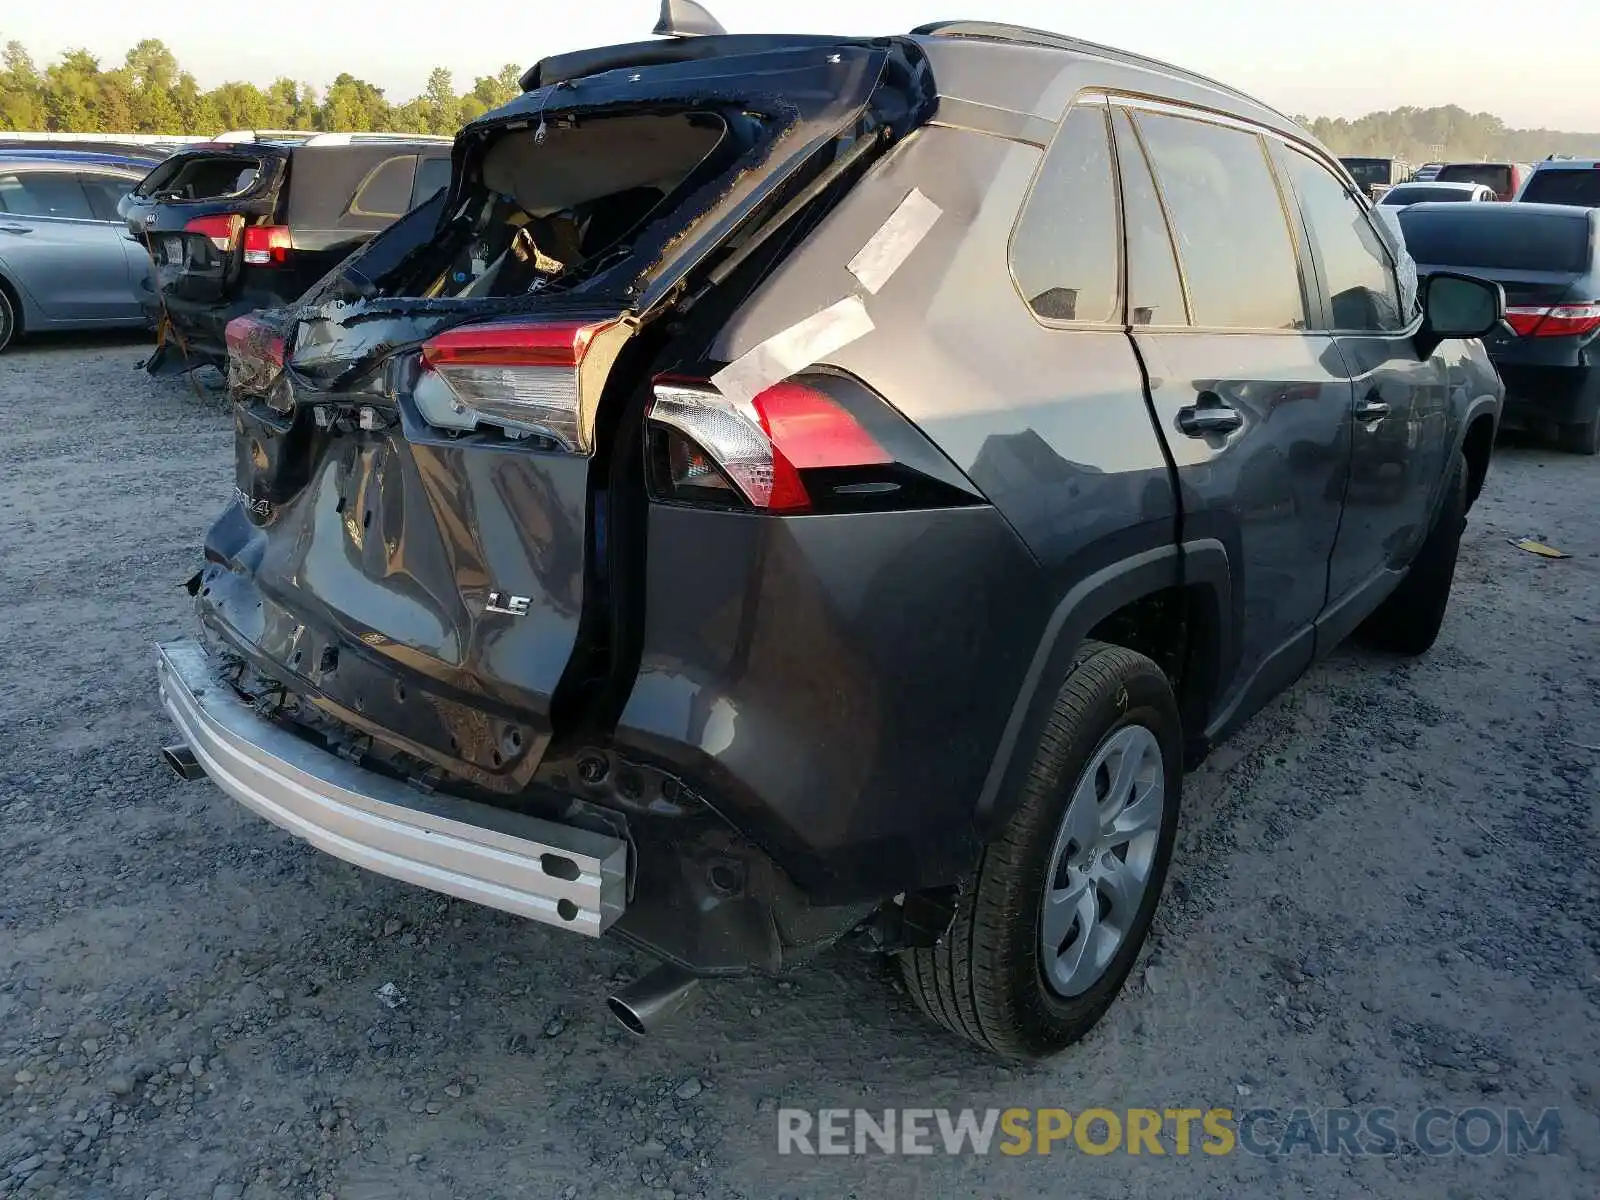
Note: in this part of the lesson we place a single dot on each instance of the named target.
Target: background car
(1573, 181)
(251, 220)
(65, 260)
(1504, 178)
(1427, 172)
(1439, 193)
(1546, 258)
(1375, 176)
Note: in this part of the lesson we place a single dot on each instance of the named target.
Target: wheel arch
(13, 293)
(1126, 603)
(1477, 444)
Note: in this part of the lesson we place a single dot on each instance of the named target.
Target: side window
(1155, 293)
(1234, 245)
(105, 192)
(1354, 264)
(386, 191)
(44, 194)
(432, 174)
(1064, 252)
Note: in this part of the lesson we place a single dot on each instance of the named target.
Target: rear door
(1402, 425)
(1254, 407)
(68, 257)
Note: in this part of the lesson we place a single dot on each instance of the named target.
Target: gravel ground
(1385, 893)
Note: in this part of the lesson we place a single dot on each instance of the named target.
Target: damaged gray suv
(789, 489)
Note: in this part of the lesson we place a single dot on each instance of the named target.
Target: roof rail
(1022, 35)
(127, 139)
(309, 137)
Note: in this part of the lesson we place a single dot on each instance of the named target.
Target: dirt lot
(1385, 894)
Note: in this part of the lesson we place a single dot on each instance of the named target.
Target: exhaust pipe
(181, 759)
(652, 999)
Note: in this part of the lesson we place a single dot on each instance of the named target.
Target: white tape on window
(887, 250)
(797, 347)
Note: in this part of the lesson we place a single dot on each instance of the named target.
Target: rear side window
(105, 191)
(1495, 177)
(1233, 238)
(44, 194)
(1564, 186)
(432, 175)
(386, 191)
(1355, 266)
(1064, 253)
(1155, 293)
(1507, 237)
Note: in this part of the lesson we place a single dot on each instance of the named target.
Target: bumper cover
(1564, 395)
(572, 878)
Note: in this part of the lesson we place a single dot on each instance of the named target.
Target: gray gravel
(1385, 893)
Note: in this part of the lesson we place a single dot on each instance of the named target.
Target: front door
(1255, 410)
(1401, 410)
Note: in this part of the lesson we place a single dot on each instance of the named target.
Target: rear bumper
(572, 878)
(1564, 395)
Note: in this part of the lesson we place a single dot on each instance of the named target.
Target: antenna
(686, 18)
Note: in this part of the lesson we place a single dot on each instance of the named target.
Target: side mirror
(1458, 306)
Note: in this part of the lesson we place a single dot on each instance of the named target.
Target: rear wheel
(1408, 622)
(8, 319)
(1048, 926)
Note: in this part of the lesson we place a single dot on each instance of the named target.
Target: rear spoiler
(559, 68)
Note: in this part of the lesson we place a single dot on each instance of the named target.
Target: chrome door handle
(1371, 410)
(1209, 416)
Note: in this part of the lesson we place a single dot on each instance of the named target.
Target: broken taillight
(1561, 320)
(818, 443)
(531, 376)
(255, 357)
(222, 230)
(264, 244)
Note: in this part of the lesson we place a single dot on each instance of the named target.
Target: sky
(1343, 58)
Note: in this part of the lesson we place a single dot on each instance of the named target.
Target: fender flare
(1202, 563)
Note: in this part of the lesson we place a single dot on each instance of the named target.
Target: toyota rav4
(790, 488)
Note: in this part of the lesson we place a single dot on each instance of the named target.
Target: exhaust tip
(650, 1000)
(626, 1016)
(181, 759)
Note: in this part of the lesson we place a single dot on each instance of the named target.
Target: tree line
(150, 93)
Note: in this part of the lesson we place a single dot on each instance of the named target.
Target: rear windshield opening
(1579, 187)
(1499, 238)
(214, 177)
(1495, 177)
(549, 208)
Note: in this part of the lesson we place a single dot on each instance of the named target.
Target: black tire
(985, 980)
(1408, 621)
(9, 324)
(1582, 439)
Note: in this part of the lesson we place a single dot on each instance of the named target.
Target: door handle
(1209, 415)
(1372, 408)
(15, 229)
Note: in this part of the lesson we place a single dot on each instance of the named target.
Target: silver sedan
(66, 261)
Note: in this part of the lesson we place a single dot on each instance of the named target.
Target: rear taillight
(1561, 320)
(264, 244)
(221, 230)
(528, 376)
(255, 357)
(817, 443)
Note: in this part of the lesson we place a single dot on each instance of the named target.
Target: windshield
(1498, 236)
(1417, 195)
(1579, 186)
(1495, 176)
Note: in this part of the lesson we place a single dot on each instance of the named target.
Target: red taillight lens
(1562, 320)
(255, 355)
(761, 449)
(530, 376)
(221, 230)
(264, 244)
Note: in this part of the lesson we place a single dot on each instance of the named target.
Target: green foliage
(150, 93)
